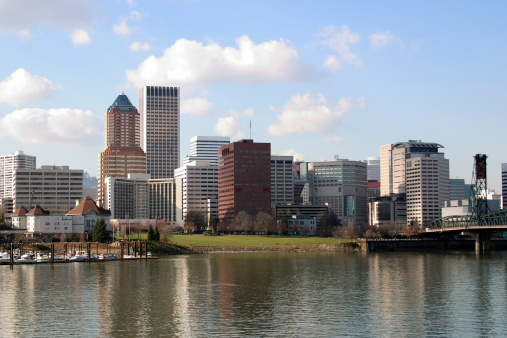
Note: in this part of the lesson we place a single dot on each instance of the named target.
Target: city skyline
(314, 80)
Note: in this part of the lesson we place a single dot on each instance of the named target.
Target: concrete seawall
(425, 244)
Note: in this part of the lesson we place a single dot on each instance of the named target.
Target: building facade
(205, 148)
(199, 189)
(504, 185)
(8, 165)
(244, 179)
(373, 168)
(159, 108)
(427, 188)
(342, 185)
(54, 188)
(122, 154)
(282, 181)
(138, 197)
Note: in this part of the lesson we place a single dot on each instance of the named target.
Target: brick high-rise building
(244, 179)
(159, 108)
(122, 154)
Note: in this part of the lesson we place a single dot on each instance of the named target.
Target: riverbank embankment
(379, 245)
(348, 247)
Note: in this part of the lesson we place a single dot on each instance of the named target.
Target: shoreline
(275, 248)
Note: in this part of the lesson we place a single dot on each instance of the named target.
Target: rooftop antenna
(250, 128)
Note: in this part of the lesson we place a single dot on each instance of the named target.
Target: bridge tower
(479, 202)
(479, 188)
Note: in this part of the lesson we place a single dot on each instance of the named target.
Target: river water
(450, 294)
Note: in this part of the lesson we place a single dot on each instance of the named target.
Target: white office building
(159, 109)
(54, 188)
(427, 187)
(199, 189)
(282, 181)
(205, 148)
(8, 165)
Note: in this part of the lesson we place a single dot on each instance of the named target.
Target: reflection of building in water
(397, 290)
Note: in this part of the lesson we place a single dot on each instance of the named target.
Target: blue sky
(317, 79)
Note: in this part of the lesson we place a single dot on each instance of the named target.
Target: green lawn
(250, 240)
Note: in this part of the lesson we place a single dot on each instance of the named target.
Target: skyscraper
(8, 165)
(244, 179)
(159, 108)
(282, 181)
(420, 171)
(122, 154)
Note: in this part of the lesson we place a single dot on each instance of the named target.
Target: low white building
(80, 219)
(302, 225)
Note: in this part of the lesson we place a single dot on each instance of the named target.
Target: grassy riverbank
(252, 240)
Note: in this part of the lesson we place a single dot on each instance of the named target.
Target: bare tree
(281, 227)
(264, 222)
(198, 219)
(243, 222)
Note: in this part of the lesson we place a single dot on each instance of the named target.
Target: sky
(315, 79)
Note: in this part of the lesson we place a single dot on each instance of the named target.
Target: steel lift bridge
(480, 223)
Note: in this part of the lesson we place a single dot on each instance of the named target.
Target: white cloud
(230, 126)
(137, 46)
(195, 106)
(122, 28)
(339, 39)
(22, 87)
(135, 15)
(80, 37)
(332, 63)
(332, 139)
(383, 39)
(249, 112)
(23, 14)
(189, 62)
(298, 157)
(63, 125)
(306, 113)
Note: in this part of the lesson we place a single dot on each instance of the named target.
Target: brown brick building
(244, 179)
(122, 154)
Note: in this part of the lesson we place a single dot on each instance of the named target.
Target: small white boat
(5, 257)
(27, 258)
(107, 257)
(43, 258)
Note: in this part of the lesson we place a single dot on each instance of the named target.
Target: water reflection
(314, 294)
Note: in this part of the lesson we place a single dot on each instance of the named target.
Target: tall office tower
(55, 188)
(386, 184)
(282, 181)
(159, 108)
(200, 190)
(504, 185)
(205, 148)
(244, 179)
(373, 168)
(8, 165)
(342, 185)
(122, 154)
(419, 170)
(427, 188)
